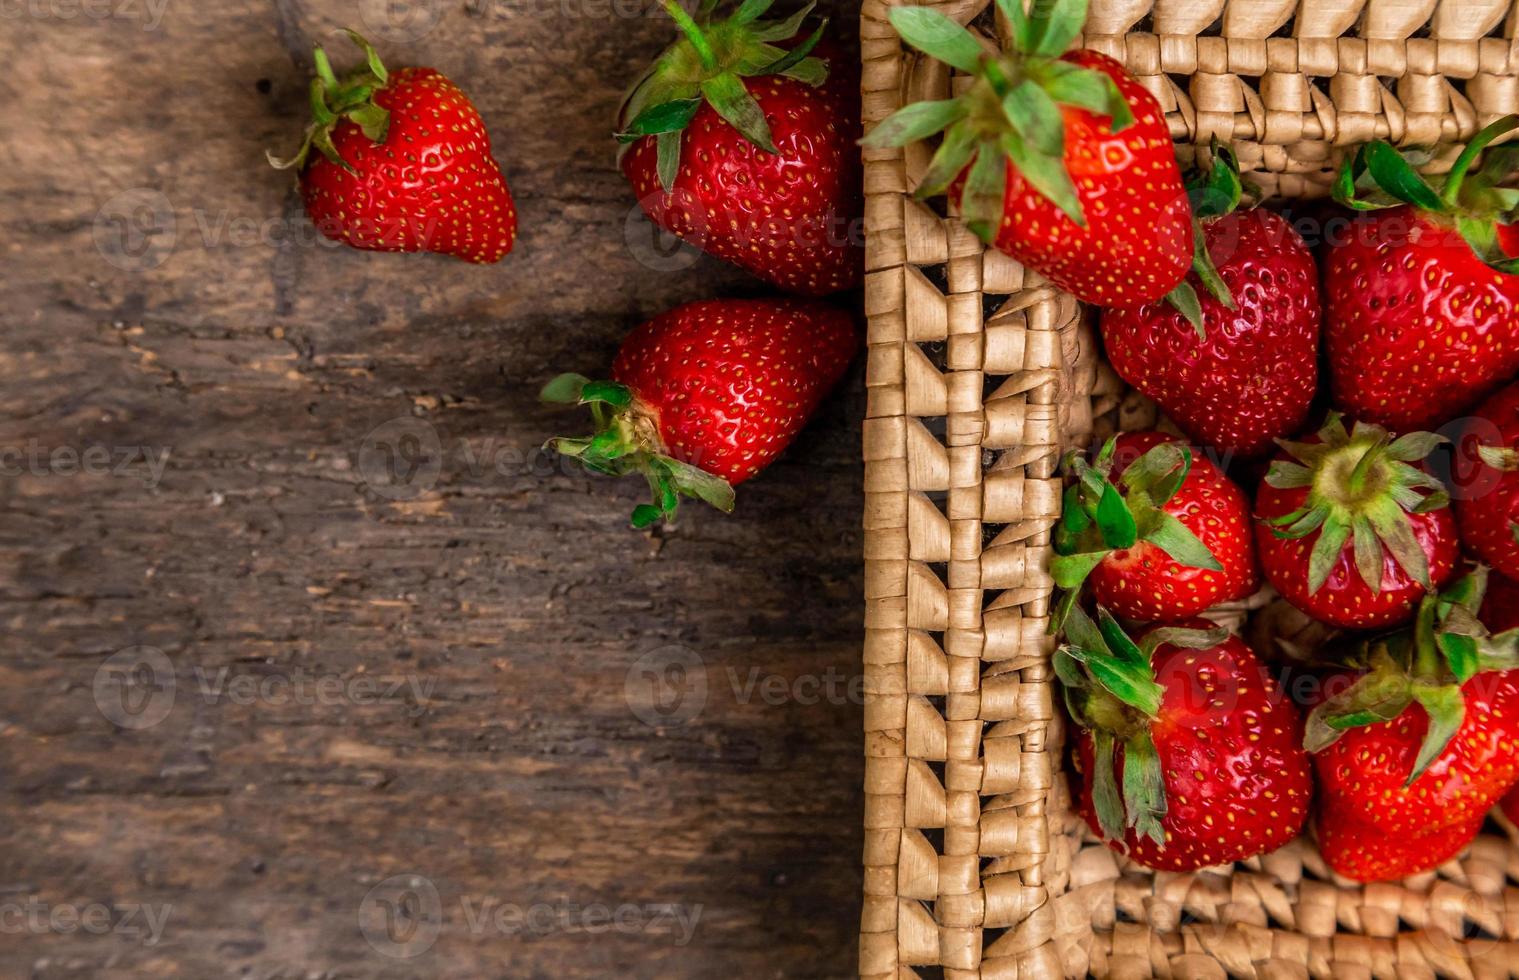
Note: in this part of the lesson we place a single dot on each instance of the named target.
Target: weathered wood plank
(271, 548)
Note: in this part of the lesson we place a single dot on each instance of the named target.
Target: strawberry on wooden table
(1061, 160)
(1159, 534)
(1236, 365)
(1189, 753)
(706, 395)
(742, 142)
(1351, 529)
(1488, 513)
(1426, 738)
(403, 164)
(1421, 299)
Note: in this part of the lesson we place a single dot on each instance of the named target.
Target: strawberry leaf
(1144, 787)
(948, 161)
(1069, 571)
(915, 121)
(1092, 90)
(667, 159)
(982, 199)
(1047, 175)
(696, 482)
(564, 390)
(783, 30)
(1377, 696)
(732, 101)
(1159, 472)
(1460, 654)
(1326, 553)
(645, 515)
(1114, 520)
(667, 117)
(1105, 798)
(1036, 117)
(1184, 300)
(1397, 177)
(1446, 709)
(798, 54)
(1054, 25)
(1172, 536)
(936, 35)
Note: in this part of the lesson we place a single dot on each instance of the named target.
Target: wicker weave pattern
(980, 375)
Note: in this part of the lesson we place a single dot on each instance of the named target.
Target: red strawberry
(1427, 737)
(1488, 512)
(1422, 313)
(747, 150)
(1365, 853)
(405, 165)
(1063, 162)
(1203, 742)
(707, 395)
(1351, 531)
(1500, 613)
(1244, 372)
(1510, 806)
(1161, 535)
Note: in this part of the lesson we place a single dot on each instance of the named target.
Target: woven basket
(980, 376)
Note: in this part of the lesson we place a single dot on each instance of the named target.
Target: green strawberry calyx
(1362, 487)
(1009, 114)
(1212, 191)
(1099, 517)
(708, 64)
(1426, 663)
(627, 440)
(334, 100)
(1474, 201)
(1111, 691)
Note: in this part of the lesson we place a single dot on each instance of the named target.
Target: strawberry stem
(1451, 194)
(693, 33)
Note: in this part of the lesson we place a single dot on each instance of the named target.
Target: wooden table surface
(313, 665)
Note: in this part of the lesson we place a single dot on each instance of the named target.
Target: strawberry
(1488, 512)
(1350, 530)
(1500, 612)
(1161, 535)
(1510, 806)
(746, 150)
(1242, 372)
(1421, 306)
(706, 395)
(1427, 736)
(404, 164)
(1203, 742)
(1063, 161)
(1365, 853)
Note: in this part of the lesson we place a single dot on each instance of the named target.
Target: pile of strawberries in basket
(1383, 503)
(1401, 728)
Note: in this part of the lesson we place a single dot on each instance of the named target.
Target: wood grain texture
(162, 290)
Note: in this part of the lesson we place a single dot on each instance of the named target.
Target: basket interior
(980, 377)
